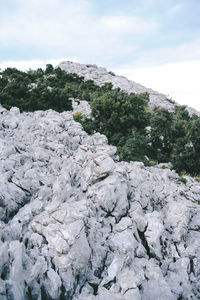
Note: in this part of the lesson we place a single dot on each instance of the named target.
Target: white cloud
(70, 27)
(168, 54)
(175, 10)
(177, 80)
(128, 25)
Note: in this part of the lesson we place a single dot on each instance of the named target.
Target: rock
(157, 290)
(81, 106)
(52, 285)
(76, 224)
(100, 76)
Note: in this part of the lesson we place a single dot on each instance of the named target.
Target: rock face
(77, 224)
(81, 106)
(101, 76)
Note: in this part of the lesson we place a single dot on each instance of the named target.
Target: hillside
(133, 118)
(100, 76)
(78, 224)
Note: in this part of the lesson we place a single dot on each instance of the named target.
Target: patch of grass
(197, 178)
(182, 179)
(152, 163)
(164, 167)
(78, 117)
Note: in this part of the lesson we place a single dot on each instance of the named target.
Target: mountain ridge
(100, 76)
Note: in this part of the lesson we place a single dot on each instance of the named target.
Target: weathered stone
(77, 224)
(101, 76)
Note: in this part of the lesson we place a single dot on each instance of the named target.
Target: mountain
(77, 224)
(101, 76)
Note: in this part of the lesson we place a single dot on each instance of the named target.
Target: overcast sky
(153, 42)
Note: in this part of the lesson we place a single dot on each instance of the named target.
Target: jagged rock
(101, 76)
(77, 224)
(81, 106)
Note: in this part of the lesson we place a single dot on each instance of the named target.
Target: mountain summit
(77, 224)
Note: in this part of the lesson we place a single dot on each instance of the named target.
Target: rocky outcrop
(81, 106)
(77, 224)
(101, 76)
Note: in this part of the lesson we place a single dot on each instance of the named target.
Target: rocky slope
(77, 224)
(101, 76)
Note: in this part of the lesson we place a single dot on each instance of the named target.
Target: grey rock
(101, 76)
(81, 106)
(77, 224)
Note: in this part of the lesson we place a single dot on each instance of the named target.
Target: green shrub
(182, 179)
(122, 118)
(78, 117)
(197, 178)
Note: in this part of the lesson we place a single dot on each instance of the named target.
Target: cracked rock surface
(100, 76)
(76, 224)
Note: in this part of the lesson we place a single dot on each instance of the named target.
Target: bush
(182, 179)
(41, 90)
(78, 117)
(122, 118)
(197, 178)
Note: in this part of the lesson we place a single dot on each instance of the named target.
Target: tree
(161, 135)
(135, 147)
(49, 69)
(122, 118)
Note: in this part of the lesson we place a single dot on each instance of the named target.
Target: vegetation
(158, 136)
(43, 89)
(197, 178)
(175, 137)
(122, 118)
(78, 117)
(151, 137)
(182, 179)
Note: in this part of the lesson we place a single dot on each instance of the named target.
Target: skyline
(151, 42)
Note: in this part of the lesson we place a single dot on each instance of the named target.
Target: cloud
(175, 10)
(174, 53)
(177, 80)
(69, 28)
(126, 25)
(148, 35)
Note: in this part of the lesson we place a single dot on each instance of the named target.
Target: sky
(153, 42)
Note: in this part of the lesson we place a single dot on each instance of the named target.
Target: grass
(182, 179)
(197, 178)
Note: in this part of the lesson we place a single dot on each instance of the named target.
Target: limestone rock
(76, 224)
(101, 76)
